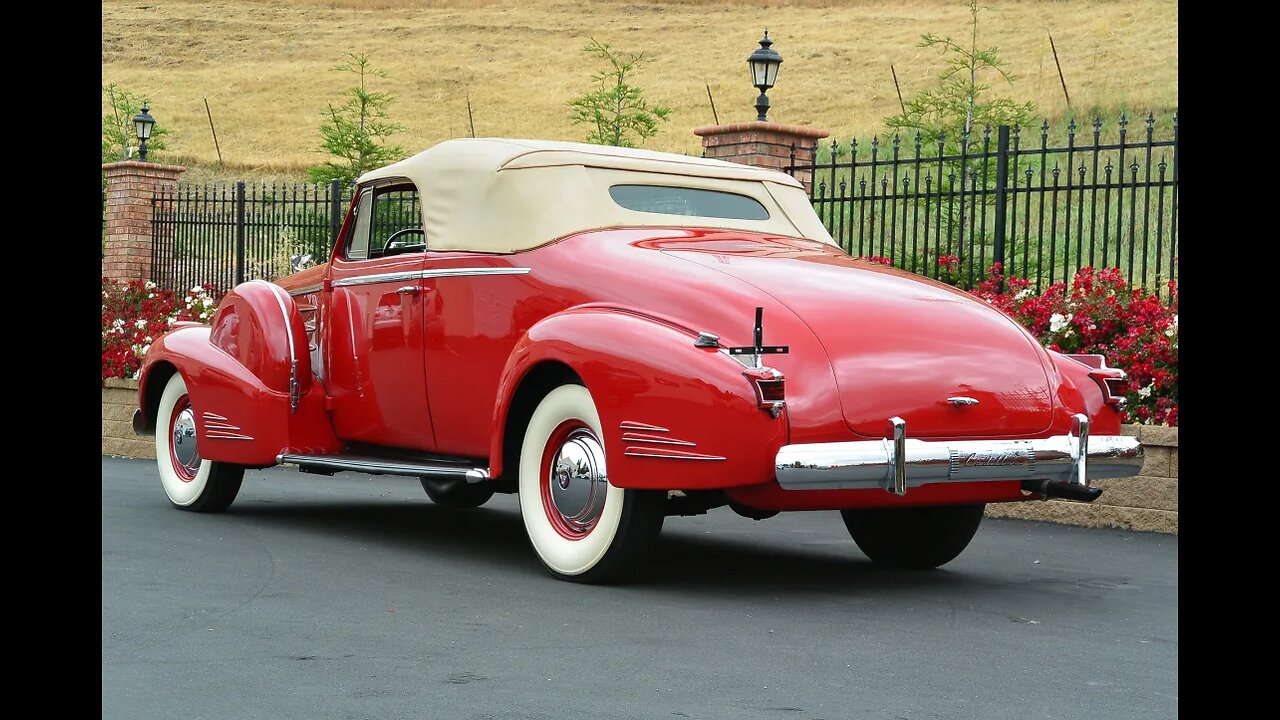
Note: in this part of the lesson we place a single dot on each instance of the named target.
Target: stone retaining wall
(119, 398)
(1148, 501)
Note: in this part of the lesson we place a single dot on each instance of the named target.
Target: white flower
(1145, 392)
(171, 320)
(137, 373)
(117, 323)
(197, 289)
(206, 301)
(1172, 329)
(148, 340)
(150, 295)
(145, 348)
(1059, 322)
(149, 285)
(1025, 293)
(140, 324)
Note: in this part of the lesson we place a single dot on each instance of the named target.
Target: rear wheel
(458, 493)
(918, 538)
(582, 527)
(192, 482)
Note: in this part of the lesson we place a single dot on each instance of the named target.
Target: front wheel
(583, 528)
(917, 538)
(192, 482)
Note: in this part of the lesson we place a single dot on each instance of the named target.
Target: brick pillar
(130, 188)
(763, 144)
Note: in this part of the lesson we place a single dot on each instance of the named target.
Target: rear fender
(1079, 393)
(249, 377)
(674, 416)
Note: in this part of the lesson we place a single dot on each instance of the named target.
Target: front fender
(674, 416)
(244, 376)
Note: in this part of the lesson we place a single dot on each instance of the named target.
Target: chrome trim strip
(213, 416)
(217, 435)
(306, 290)
(633, 425)
(381, 466)
(1073, 458)
(959, 400)
(456, 272)
(381, 278)
(425, 274)
(634, 437)
(652, 453)
(293, 355)
(214, 425)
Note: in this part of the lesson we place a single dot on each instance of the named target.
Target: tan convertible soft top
(498, 195)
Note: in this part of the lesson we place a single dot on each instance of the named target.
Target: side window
(358, 243)
(397, 222)
(388, 222)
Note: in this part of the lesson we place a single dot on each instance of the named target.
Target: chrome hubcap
(184, 441)
(579, 481)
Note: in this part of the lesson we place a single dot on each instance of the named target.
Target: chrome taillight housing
(1111, 380)
(770, 387)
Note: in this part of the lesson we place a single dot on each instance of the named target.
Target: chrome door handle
(408, 290)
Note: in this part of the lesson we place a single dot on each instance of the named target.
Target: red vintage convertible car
(618, 336)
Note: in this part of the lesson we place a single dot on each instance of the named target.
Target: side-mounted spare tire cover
(259, 325)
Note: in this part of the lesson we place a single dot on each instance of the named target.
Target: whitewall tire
(191, 482)
(582, 527)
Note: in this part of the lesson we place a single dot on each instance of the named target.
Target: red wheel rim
(573, 479)
(183, 453)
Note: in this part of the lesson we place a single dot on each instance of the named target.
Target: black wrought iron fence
(1042, 208)
(226, 234)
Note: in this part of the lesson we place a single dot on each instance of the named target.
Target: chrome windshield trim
(425, 274)
(306, 290)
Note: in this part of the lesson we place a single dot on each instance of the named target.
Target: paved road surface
(355, 597)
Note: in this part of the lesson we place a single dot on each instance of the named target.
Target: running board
(442, 469)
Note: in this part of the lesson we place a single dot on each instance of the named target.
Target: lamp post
(142, 124)
(764, 64)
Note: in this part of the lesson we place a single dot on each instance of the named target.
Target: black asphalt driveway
(355, 597)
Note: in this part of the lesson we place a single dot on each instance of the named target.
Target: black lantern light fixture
(764, 64)
(142, 124)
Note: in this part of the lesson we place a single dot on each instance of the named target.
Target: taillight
(771, 389)
(1111, 380)
(1113, 388)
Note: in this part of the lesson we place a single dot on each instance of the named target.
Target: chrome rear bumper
(897, 463)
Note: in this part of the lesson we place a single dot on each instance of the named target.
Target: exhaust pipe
(1051, 489)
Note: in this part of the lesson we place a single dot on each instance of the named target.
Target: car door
(375, 355)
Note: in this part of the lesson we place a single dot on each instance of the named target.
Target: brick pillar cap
(137, 165)
(796, 130)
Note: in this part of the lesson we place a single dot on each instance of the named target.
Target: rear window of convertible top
(671, 200)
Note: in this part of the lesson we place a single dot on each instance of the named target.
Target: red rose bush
(135, 313)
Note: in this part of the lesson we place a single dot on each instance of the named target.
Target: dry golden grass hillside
(265, 65)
